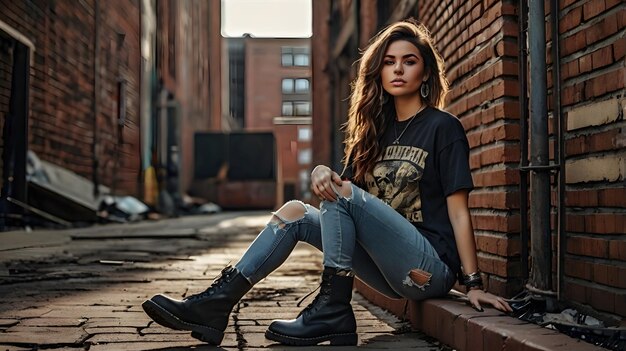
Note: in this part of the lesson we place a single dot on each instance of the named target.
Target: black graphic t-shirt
(430, 162)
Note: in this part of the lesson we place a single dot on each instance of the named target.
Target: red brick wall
(478, 40)
(62, 119)
(188, 64)
(288, 145)
(263, 80)
(321, 85)
(593, 100)
(119, 59)
(6, 69)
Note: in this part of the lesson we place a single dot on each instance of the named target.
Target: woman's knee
(289, 212)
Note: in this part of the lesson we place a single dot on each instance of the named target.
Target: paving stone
(86, 312)
(8, 322)
(52, 322)
(113, 330)
(252, 329)
(25, 313)
(144, 345)
(143, 321)
(155, 328)
(267, 316)
(43, 335)
(380, 328)
(136, 337)
(12, 348)
(257, 339)
(230, 339)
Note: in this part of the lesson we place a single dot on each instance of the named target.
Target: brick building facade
(274, 77)
(97, 72)
(278, 99)
(479, 42)
(189, 53)
(62, 127)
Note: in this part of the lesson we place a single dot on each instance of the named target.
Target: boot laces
(218, 282)
(324, 290)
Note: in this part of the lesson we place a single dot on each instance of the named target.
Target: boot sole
(345, 339)
(167, 319)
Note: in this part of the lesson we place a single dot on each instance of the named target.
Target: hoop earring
(424, 90)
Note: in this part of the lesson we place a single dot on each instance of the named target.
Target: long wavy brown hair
(371, 107)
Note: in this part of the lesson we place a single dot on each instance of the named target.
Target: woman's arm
(459, 214)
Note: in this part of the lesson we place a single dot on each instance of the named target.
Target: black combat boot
(328, 318)
(205, 314)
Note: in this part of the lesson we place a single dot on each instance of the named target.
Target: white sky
(267, 18)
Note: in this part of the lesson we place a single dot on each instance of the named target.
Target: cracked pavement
(82, 289)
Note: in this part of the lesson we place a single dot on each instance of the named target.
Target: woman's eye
(389, 62)
(410, 62)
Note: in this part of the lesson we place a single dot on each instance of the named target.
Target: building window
(292, 56)
(288, 86)
(302, 86)
(304, 134)
(287, 108)
(304, 156)
(296, 108)
(295, 85)
(302, 108)
(301, 60)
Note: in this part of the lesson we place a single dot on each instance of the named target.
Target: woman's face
(403, 69)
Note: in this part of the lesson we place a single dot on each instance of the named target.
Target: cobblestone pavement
(82, 289)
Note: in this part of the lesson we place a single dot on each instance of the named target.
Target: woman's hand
(477, 296)
(321, 179)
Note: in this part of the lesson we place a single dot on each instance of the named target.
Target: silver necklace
(395, 124)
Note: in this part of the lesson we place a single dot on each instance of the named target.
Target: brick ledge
(456, 324)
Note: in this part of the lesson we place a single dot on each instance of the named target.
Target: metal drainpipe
(559, 151)
(541, 247)
(523, 116)
(96, 100)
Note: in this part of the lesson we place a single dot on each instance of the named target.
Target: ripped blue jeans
(358, 232)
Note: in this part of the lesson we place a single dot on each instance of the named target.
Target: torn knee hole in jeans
(285, 214)
(418, 278)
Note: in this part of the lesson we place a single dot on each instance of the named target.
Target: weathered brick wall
(6, 69)
(120, 60)
(188, 64)
(61, 124)
(478, 40)
(594, 100)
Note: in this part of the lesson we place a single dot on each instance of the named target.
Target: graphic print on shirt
(395, 180)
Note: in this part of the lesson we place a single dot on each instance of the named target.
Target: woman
(398, 219)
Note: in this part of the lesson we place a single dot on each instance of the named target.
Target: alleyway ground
(81, 289)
